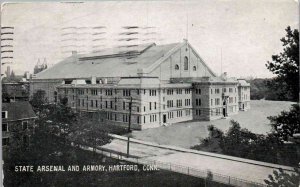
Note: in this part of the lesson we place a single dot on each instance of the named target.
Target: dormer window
(176, 67)
(194, 68)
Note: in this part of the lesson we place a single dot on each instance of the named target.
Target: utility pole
(129, 123)
(87, 103)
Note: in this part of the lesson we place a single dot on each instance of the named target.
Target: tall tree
(283, 179)
(286, 66)
(286, 124)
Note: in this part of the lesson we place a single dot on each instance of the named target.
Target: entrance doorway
(224, 112)
(164, 118)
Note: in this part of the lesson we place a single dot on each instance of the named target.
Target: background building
(17, 123)
(244, 94)
(164, 84)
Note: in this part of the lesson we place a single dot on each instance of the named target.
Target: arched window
(176, 67)
(186, 63)
(194, 68)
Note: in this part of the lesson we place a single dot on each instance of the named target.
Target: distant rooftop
(18, 110)
(115, 62)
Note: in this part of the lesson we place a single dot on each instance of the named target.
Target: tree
(212, 142)
(286, 124)
(286, 66)
(88, 132)
(283, 179)
(245, 144)
(50, 144)
(38, 100)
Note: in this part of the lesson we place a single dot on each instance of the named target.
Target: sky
(233, 36)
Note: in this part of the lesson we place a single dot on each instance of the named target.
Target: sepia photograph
(150, 93)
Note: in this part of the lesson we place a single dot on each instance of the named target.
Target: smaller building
(16, 91)
(17, 122)
(244, 95)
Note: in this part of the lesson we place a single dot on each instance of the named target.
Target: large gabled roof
(18, 110)
(109, 63)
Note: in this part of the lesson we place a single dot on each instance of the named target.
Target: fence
(204, 174)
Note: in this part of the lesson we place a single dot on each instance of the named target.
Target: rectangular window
(4, 127)
(124, 105)
(24, 125)
(150, 106)
(5, 141)
(4, 114)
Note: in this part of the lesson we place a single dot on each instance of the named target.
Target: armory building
(163, 84)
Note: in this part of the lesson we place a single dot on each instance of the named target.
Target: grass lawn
(187, 134)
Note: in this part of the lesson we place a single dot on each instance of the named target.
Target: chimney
(224, 76)
(27, 75)
(74, 56)
(93, 80)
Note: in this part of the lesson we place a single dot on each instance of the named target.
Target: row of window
(185, 64)
(213, 112)
(179, 113)
(187, 102)
(170, 103)
(178, 91)
(126, 92)
(216, 90)
(5, 126)
(6, 141)
(198, 102)
(125, 118)
(218, 101)
(110, 104)
(178, 103)
(185, 67)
